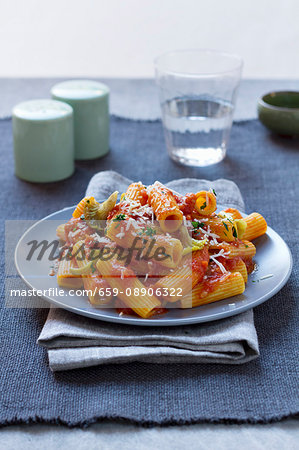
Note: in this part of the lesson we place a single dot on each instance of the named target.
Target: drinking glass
(197, 90)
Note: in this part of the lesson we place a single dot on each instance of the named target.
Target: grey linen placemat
(74, 341)
(264, 167)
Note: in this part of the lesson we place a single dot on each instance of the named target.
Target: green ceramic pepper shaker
(90, 102)
(43, 136)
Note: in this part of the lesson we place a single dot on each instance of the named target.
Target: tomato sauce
(144, 196)
(186, 204)
(76, 230)
(229, 264)
(211, 280)
(250, 265)
(200, 261)
(123, 207)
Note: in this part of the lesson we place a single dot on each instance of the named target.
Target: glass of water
(197, 90)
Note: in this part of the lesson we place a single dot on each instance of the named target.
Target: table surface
(137, 99)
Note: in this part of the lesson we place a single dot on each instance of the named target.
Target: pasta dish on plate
(157, 249)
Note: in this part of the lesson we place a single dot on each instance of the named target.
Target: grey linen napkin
(75, 341)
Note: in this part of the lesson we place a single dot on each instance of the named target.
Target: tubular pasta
(233, 213)
(80, 208)
(244, 249)
(225, 229)
(64, 276)
(189, 272)
(152, 270)
(126, 232)
(238, 266)
(144, 306)
(231, 284)
(136, 192)
(165, 207)
(256, 226)
(93, 282)
(158, 246)
(205, 203)
(60, 232)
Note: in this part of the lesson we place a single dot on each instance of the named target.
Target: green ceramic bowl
(279, 112)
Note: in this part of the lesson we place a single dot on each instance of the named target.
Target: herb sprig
(119, 217)
(235, 234)
(197, 225)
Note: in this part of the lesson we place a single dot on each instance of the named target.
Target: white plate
(273, 258)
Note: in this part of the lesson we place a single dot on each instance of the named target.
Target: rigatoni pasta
(243, 249)
(256, 226)
(165, 207)
(189, 272)
(157, 249)
(205, 203)
(136, 192)
(131, 232)
(238, 266)
(65, 276)
(112, 273)
(93, 282)
(228, 285)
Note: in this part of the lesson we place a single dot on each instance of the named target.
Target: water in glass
(197, 129)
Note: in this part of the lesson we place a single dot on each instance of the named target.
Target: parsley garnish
(203, 206)
(246, 246)
(234, 232)
(149, 231)
(197, 224)
(214, 192)
(119, 217)
(225, 226)
(75, 228)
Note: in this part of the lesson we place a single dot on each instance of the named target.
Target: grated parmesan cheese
(101, 239)
(219, 264)
(265, 277)
(121, 234)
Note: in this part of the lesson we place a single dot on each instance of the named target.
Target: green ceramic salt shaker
(43, 136)
(90, 102)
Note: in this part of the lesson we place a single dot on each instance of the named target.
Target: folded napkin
(75, 341)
